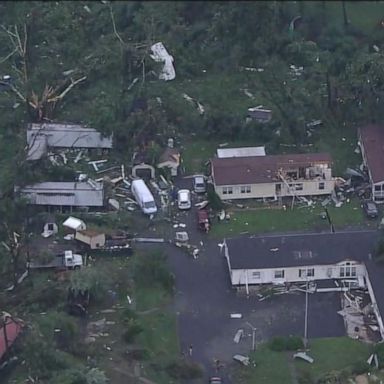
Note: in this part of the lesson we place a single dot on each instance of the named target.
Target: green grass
(334, 354)
(271, 368)
(277, 220)
(330, 354)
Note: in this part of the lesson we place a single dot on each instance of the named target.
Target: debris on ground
(304, 356)
(242, 359)
(239, 334)
(236, 315)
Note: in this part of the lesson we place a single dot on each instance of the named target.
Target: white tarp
(74, 223)
(160, 54)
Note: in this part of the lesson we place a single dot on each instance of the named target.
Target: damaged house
(42, 137)
(371, 142)
(272, 176)
(64, 194)
(170, 159)
(323, 258)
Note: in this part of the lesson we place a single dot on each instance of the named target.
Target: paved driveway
(204, 300)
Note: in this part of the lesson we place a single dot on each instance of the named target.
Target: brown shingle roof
(372, 140)
(261, 169)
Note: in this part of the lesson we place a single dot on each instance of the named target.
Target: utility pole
(253, 336)
(306, 316)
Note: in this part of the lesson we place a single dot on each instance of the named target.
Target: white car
(199, 184)
(184, 199)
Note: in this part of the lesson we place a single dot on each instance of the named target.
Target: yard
(330, 355)
(260, 220)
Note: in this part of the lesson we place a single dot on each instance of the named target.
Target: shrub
(214, 199)
(151, 268)
(290, 343)
(133, 329)
(360, 367)
(182, 369)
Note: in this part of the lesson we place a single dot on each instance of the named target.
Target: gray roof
(82, 194)
(64, 136)
(258, 252)
(240, 152)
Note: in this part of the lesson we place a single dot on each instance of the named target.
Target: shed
(91, 237)
(143, 171)
(170, 158)
(74, 224)
(260, 114)
(50, 228)
(10, 329)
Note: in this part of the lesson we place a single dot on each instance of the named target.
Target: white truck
(66, 260)
(143, 197)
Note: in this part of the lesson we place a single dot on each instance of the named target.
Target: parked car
(370, 209)
(199, 184)
(184, 199)
(215, 380)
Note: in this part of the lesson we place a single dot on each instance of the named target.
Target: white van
(143, 197)
(184, 199)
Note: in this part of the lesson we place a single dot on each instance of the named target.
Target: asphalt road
(204, 301)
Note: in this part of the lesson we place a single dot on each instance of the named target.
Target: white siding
(268, 190)
(291, 274)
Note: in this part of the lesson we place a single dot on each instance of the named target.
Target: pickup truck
(66, 260)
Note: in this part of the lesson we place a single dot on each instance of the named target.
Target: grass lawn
(330, 354)
(277, 220)
(334, 354)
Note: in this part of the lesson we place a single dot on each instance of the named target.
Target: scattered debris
(238, 336)
(114, 204)
(242, 359)
(236, 315)
(160, 54)
(304, 356)
(182, 236)
(148, 240)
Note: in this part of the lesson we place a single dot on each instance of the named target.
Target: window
(310, 272)
(296, 187)
(321, 186)
(279, 274)
(347, 270)
(256, 275)
(245, 189)
(377, 188)
(227, 190)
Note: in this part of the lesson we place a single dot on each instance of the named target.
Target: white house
(325, 257)
(272, 176)
(371, 142)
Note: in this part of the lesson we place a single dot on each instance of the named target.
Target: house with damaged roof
(331, 260)
(45, 136)
(272, 176)
(371, 142)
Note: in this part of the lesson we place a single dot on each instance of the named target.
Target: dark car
(370, 209)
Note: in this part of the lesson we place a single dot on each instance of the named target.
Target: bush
(133, 329)
(360, 368)
(214, 199)
(182, 369)
(151, 268)
(290, 343)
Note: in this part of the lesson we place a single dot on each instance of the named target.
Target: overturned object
(160, 54)
(304, 356)
(242, 359)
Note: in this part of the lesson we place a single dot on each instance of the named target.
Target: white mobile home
(143, 197)
(272, 176)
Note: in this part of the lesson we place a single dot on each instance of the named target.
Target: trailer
(66, 260)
